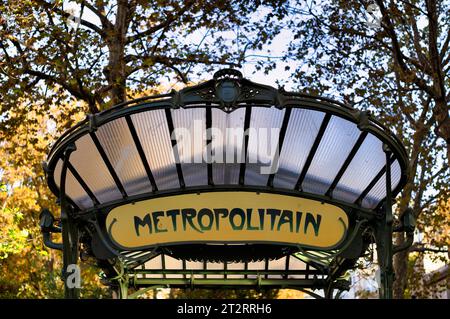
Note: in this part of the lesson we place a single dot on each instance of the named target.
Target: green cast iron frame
(121, 268)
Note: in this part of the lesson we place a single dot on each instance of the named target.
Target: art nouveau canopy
(244, 142)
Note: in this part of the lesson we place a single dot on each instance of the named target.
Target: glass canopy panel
(195, 265)
(378, 192)
(116, 140)
(89, 164)
(295, 263)
(336, 144)
(164, 262)
(155, 263)
(172, 263)
(73, 189)
(216, 266)
(227, 141)
(153, 132)
(300, 135)
(256, 265)
(366, 164)
(277, 264)
(190, 132)
(264, 133)
(236, 266)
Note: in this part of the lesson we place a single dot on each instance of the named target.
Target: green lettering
(309, 219)
(142, 222)
(155, 217)
(286, 218)
(237, 212)
(249, 220)
(273, 214)
(217, 212)
(188, 214)
(202, 213)
(299, 220)
(173, 213)
(261, 212)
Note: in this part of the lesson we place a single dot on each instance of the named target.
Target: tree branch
(66, 15)
(445, 46)
(166, 60)
(98, 12)
(398, 56)
(426, 249)
(431, 200)
(80, 94)
(409, 4)
(160, 26)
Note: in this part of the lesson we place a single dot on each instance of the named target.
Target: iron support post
(123, 288)
(69, 236)
(120, 282)
(384, 237)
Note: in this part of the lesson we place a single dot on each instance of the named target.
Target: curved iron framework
(84, 227)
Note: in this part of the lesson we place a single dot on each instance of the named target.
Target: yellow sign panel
(227, 217)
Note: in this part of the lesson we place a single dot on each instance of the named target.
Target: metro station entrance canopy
(228, 183)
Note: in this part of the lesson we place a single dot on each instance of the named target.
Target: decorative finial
(228, 87)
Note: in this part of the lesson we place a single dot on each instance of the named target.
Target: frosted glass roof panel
(295, 263)
(153, 132)
(265, 124)
(116, 140)
(92, 169)
(366, 164)
(378, 192)
(336, 144)
(190, 133)
(227, 144)
(300, 135)
(195, 265)
(73, 188)
(153, 264)
(227, 141)
(146, 138)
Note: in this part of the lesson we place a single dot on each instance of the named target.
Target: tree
(110, 48)
(435, 247)
(398, 68)
(27, 268)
